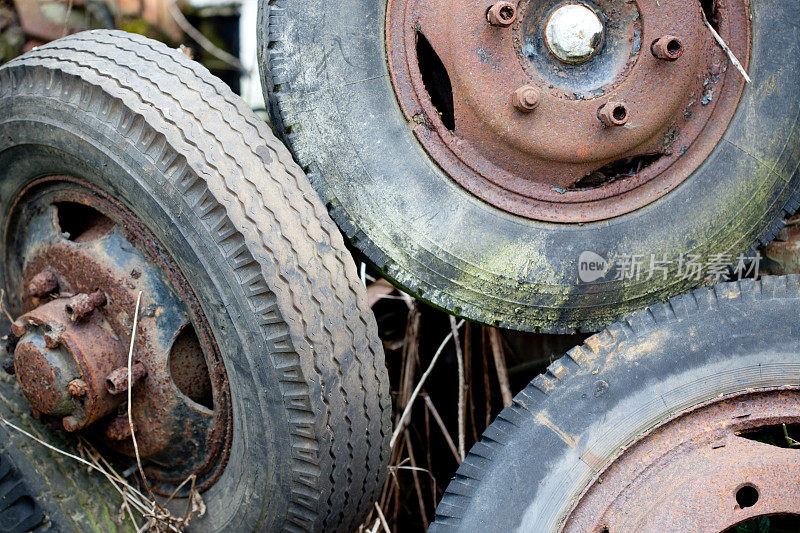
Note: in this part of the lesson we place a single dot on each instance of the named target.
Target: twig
(130, 410)
(3, 306)
(468, 375)
(409, 356)
(375, 527)
(379, 290)
(129, 494)
(428, 456)
(407, 410)
(66, 18)
(500, 366)
(415, 468)
(382, 518)
(441, 425)
(53, 448)
(415, 476)
(792, 443)
(201, 39)
(727, 50)
(114, 479)
(461, 391)
(487, 389)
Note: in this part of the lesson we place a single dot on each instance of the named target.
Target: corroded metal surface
(705, 470)
(43, 284)
(80, 306)
(532, 164)
(72, 338)
(783, 253)
(46, 369)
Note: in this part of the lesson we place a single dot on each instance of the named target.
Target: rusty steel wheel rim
(708, 468)
(543, 124)
(76, 260)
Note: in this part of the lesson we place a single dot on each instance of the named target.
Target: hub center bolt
(573, 33)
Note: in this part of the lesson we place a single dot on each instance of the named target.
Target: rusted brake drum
(87, 259)
(474, 150)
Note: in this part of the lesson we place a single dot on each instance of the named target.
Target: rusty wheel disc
(567, 110)
(707, 469)
(76, 262)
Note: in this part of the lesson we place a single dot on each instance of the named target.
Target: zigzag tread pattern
(326, 272)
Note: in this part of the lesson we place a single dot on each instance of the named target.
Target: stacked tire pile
(180, 298)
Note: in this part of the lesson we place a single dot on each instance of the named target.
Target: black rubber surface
(534, 460)
(326, 78)
(305, 365)
(19, 510)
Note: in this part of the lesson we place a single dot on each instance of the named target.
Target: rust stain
(570, 440)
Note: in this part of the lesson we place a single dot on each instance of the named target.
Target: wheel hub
(62, 365)
(80, 262)
(566, 111)
(573, 33)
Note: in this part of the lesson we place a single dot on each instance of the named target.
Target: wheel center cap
(573, 33)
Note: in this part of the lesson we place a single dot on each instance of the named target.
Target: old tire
(145, 125)
(568, 425)
(330, 93)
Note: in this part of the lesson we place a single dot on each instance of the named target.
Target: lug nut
(52, 339)
(52, 335)
(19, 328)
(502, 14)
(81, 306)
(71, 423)
(526, 98)
(78, 388)
(613, 114)
(668, 48)
(43, 284)
(117, 380)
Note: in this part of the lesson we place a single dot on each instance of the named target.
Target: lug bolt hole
(674, 47)
(747, 496)
(620, 113)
